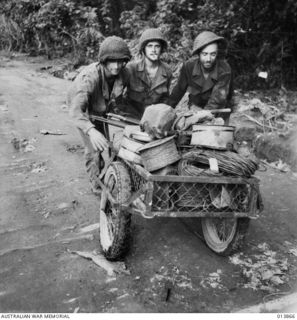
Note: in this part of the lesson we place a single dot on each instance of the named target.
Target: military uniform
(141, 91)
(216, 91)
(90, 95)
(93, 94)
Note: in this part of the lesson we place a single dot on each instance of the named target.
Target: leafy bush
(261, 34)
(54, 27)
(11, 34)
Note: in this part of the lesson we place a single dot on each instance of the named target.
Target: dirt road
(49, 216)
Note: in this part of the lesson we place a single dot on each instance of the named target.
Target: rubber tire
(115, 242)
(234, 240)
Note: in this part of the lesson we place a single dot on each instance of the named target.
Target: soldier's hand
(200, 116)
(204, 115)
(98, 140)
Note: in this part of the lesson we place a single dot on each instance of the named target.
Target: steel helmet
(205, 38)
(152, 34)
(114, 48)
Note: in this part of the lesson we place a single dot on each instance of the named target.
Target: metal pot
(213, 136)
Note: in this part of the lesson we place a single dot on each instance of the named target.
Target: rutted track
(45, 200)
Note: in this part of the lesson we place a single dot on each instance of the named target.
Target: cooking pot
(213, 136)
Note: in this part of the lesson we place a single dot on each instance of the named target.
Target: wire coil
(229, 163)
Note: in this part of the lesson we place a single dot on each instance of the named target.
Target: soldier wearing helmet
(206, 77)
(96, 90)
(149, 78)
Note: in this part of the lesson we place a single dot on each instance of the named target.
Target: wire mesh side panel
(203, 197)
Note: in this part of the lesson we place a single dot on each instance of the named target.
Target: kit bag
(157, 120)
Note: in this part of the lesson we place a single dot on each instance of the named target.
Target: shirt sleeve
(79, 107)
(220, 92)
(165, 98)
(179, 89)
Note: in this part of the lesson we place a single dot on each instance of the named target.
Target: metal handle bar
(226, 110)
(115, 123)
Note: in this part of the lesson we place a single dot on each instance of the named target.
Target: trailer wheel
(115, 223)
(225, 235)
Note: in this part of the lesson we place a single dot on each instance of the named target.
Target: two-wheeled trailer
(129, 189)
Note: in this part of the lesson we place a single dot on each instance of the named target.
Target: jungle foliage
(261, 34)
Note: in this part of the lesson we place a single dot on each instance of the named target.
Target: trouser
(93, 158)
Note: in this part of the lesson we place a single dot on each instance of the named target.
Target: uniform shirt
(142, 91)
(215, 92)
(89, 95)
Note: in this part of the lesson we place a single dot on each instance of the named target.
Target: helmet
(152, 34)
(114, 48)
(205, 38)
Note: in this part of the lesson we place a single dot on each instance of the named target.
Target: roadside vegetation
(261, 34)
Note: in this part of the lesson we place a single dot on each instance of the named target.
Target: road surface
(49, 220)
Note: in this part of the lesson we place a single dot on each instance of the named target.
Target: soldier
(149, 78)
(207, 78)
(95, 91)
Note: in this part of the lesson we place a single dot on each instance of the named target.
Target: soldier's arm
(179, 89)
(84, 85)
(165, 98)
